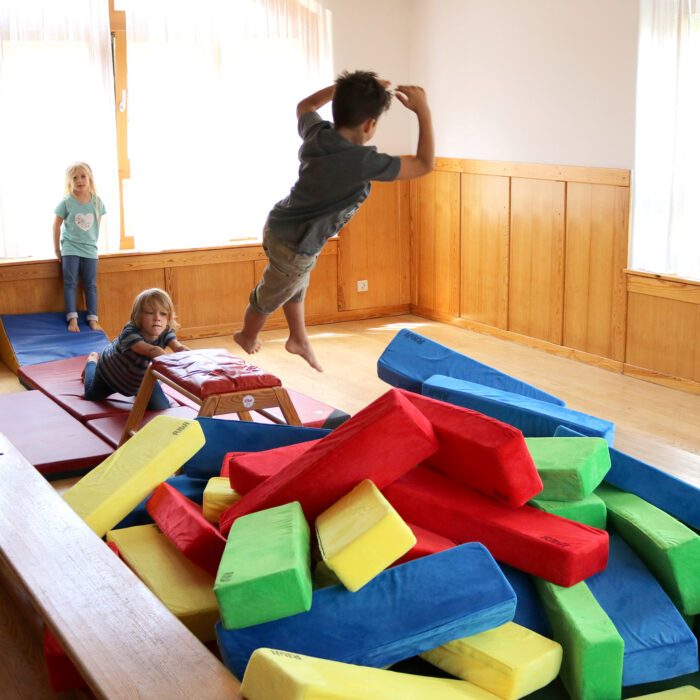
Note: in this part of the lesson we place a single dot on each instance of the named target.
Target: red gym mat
(49, 437)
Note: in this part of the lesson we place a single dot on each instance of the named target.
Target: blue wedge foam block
(658, 642)
(402, 612)
(410, 359)
(45, 337)
(677, 498)
(186, 485)
(222, 436)
(529, 611)
(534, 418)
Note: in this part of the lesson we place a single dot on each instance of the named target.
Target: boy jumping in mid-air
(334, 179)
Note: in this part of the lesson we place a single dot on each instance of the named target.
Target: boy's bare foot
(73, 326)
(250, 345)
(92, 357)
(303, 349)
(94, 325)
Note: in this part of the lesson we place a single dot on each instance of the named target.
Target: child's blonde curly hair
(158, 298)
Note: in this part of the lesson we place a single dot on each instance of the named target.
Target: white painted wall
(537, 81)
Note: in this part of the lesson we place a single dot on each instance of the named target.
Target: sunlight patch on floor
(398, 326)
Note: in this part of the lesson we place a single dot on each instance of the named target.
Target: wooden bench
(122, 639)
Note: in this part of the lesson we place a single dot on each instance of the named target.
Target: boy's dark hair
(358, 96)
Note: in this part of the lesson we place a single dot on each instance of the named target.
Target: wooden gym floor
(653, 423)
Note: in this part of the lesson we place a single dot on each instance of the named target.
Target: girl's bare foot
(250, 345)
(92, 357)
(73, 326)
(94, 325)
(303, 349)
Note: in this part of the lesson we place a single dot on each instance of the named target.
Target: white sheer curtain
(212, 139)
(666, 219)
(56, 107)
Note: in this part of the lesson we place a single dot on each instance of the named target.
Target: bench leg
(139, 408)
(287, 407)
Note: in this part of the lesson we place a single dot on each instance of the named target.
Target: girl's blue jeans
(75, 267)
(96, 389)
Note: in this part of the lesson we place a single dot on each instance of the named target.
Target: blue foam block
(45, 337)
(402, 612)
(529, 611)
(186, 485)
(222, 436)
(658, 642)
(534, 418)
(410, 359)
(677, 498)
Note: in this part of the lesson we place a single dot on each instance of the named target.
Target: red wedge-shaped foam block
(381, 442)
(246, 470)
(479, 451)
(182, 522)
(427, 542)
(559, 550)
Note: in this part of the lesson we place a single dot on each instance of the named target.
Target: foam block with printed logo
(542, 544)
(112, 489)
(315, 479)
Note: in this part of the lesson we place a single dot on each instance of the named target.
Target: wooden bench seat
(122, 639)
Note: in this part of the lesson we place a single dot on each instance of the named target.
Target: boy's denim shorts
(285, 277)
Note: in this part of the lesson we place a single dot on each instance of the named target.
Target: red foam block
(559, 550)
(427, 542)
(479, 451)
(182, 522)
(381, 442)
(246, 470)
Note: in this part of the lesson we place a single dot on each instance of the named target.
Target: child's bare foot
(73, 326)
(94, 325)
(92, 357)
(303, 349)
(250, 345)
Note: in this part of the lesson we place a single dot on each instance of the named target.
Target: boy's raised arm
(314, 102)
(413, 97)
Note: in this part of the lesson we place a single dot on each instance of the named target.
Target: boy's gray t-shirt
(334, 179)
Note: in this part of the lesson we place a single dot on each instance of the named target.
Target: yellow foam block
(114, 488)
(185, 589)
(281, 674)
(509, 661)
(361, 534)
(218, 496)
(684, 692)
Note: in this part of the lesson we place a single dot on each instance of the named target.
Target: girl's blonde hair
(158, 298)
(72, 170)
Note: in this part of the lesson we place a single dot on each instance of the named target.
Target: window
(666, 210)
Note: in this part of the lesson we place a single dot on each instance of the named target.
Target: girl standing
(122, 364)
(75, 232)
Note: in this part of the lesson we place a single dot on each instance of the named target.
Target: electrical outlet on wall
(362, 286)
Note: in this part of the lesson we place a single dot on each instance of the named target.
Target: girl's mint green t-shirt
(80, 227)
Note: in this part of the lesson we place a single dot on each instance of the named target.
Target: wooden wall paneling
(374, 246)
(211, 298)
(595, 295)
(435, 242)
(663, 335)
(485, 232)
(116, 292)
(536, 277)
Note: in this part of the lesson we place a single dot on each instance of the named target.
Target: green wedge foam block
(589, 510)
(670, 549)
(593, 649)
(570, 469)
(265, 571)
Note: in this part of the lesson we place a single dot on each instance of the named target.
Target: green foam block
(593, 649)
(589, 510)
(265, 572)
(570, 469)
(670, 550)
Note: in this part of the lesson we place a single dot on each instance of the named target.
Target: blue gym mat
(36, 338)
(410, 359)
